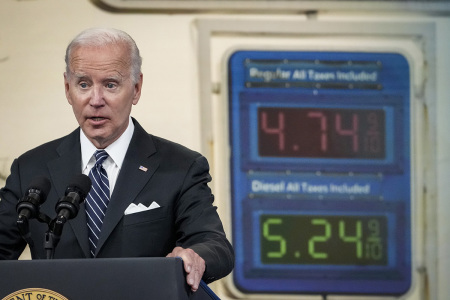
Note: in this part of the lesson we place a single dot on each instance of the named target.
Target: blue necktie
(97, 200)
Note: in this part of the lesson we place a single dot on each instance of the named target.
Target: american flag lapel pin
(142, 168)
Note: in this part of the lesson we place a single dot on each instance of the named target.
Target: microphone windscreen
(80, 183)
(42, 185)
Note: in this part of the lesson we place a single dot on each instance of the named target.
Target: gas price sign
(320, 172)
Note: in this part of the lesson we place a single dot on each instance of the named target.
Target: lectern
(101, 278)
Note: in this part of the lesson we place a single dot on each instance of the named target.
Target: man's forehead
(101, 55)
(110, 62)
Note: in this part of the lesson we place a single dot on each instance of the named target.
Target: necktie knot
(100, 156)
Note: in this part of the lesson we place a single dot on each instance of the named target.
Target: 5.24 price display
(323, 239)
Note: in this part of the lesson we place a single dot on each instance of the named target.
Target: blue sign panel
(320, 172)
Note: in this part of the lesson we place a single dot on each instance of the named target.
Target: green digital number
(374, 227)
(319, 238)
(352, 239)
(274, 238)
(374, 247)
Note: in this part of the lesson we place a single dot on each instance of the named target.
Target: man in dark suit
(157, 203)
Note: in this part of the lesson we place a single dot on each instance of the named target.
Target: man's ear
(66, 88)
(138, 89)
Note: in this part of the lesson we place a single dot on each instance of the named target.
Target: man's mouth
(97, 118)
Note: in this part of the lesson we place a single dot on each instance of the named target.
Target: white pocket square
(133, 208)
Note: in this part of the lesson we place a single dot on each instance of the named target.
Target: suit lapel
(62, 170)
(132, 179)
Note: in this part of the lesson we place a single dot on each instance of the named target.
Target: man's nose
(97, 97)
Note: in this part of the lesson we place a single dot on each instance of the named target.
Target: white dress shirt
(116, 152)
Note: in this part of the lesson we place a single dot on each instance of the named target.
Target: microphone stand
(52, 237)
(24, 229)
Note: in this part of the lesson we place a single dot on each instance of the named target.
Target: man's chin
(98, 137)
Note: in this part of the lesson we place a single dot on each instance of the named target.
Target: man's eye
(83, 85)
(110, 85)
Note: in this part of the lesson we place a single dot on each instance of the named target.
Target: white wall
(33, 37)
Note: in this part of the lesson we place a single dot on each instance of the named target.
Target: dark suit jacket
(176, 179)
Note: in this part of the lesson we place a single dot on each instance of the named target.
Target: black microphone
(36, 194)
(76, 193)
(67, 208)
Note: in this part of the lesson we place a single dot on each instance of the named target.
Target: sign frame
(272, 6)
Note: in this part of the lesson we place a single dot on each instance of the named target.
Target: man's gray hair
(96, 37)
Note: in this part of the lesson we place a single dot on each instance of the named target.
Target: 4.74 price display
(323, 239)
(321, 133)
